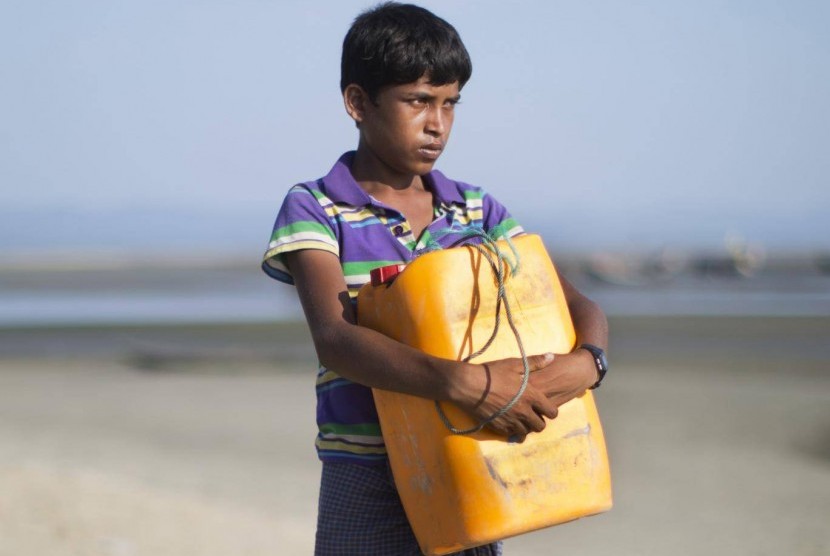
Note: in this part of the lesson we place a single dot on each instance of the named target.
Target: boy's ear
(355, 100)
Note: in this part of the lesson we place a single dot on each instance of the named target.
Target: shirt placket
(443, 218)
(402, 231)
(397, 225)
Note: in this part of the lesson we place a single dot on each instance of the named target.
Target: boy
(401, 74)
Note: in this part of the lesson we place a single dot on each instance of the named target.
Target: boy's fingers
(546, 408)
(534, 422)
(536, 362)
(519, 438)
(511, 425)
(539, 407)
(501, 428)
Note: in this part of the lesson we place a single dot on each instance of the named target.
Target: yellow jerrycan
(461, 491)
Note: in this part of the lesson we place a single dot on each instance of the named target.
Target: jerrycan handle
(385, 274)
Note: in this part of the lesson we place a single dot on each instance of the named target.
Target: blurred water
(243, 294)
(143, 296)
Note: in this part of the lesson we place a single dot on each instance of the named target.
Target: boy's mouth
(432, 150)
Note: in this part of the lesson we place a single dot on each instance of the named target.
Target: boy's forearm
(363, 356)
(360, 354)
(590, 323)
(572, 373)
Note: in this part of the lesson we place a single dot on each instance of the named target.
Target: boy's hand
(492, 385)
(567, 377)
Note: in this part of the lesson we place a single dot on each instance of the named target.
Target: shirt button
(398, 230)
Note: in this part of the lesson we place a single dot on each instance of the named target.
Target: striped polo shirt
(335, 214)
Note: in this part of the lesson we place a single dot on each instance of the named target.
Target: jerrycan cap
(385, 274)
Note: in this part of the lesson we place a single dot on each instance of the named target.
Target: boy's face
(408, 126)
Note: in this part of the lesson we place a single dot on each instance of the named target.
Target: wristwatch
(599, 360)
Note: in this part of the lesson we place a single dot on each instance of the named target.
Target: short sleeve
(497, 219)
(302, 223)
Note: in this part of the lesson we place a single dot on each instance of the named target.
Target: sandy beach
(193, 440)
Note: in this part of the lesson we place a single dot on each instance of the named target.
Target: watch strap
(600, 361)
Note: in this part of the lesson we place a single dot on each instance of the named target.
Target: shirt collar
(341, 186)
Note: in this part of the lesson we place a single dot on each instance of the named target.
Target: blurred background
(156, 388)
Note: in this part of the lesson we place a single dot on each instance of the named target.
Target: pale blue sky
(601, 124)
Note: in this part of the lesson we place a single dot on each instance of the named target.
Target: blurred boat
(625, 269)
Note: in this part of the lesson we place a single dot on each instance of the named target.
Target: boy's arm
(372, 359)
(571, 374)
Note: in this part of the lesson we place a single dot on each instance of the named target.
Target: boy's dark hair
(393, 43)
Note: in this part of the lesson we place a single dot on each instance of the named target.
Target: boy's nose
(437, 122)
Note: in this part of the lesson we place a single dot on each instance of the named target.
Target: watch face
(599, 356)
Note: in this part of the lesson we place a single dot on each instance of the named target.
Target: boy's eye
(421, 102)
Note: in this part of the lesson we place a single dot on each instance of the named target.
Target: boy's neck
(374, 175)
